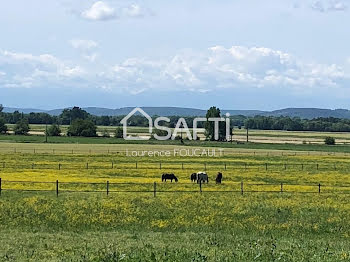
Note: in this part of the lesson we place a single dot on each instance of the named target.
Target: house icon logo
(124, 121)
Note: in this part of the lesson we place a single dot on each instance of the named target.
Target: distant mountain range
(307, 113)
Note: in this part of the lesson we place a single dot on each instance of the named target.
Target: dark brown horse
(218, 178)
(194, 177)
(170, 177)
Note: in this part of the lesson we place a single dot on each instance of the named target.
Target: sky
(237, 54)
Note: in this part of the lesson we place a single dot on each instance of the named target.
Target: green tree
(159, 132)
(329, 140)
(22, 127)
(54, 130)
(80, 127)
(69, 115)
(3, 127)
(118, 133)
(210, 125)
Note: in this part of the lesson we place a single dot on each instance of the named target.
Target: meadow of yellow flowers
(179, 223)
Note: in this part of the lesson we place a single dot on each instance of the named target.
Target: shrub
(118, 133)
(3, 127)
(22, 127)
(329, 140)
(54, 130)
(159, 132)
(80, 127)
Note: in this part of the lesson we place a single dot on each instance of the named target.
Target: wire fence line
(224, 151)
(177, 165)
(161, 187)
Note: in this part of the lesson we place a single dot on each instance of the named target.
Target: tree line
(296, 124)
(81, 123)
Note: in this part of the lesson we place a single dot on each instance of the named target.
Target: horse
(166, 177)
(202, 177)
(194, 177)
(218, 178)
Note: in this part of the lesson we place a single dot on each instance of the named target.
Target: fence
(176, 165)
(155, 188)
(225, 151)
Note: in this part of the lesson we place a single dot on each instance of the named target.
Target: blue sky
(249, 54)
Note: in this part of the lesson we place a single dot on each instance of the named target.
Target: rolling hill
(307, 113)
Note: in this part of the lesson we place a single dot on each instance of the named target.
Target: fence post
(242, 188)
(112, 165)
(87, 165)
(34, 150)
(281, 187)
(205, 166)
(154, 189)
(335, 167)
(319, 188)
(0, 186)
(302, 166)
(107, 188)
(33, 166)
(57, 188)
(59, 166)
(3, 165)
(182, 166)
(266, 166)
(285, 166)
(317, 166)
(200, 186)
(160, 165)
(136, 164)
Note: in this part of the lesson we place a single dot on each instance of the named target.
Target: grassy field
(255, 136)
(180, 223)
(10, 142)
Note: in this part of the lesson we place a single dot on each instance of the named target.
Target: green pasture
(178, 223)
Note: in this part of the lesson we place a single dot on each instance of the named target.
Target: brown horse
(170, 177)
(194, 177)
(218, 178)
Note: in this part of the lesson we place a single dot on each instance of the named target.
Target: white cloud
(221, 67)
(99, 11)
(28, 70)
(213, 69)
(134, 10)
(329, 5)
(86, 48)
(83, 44)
